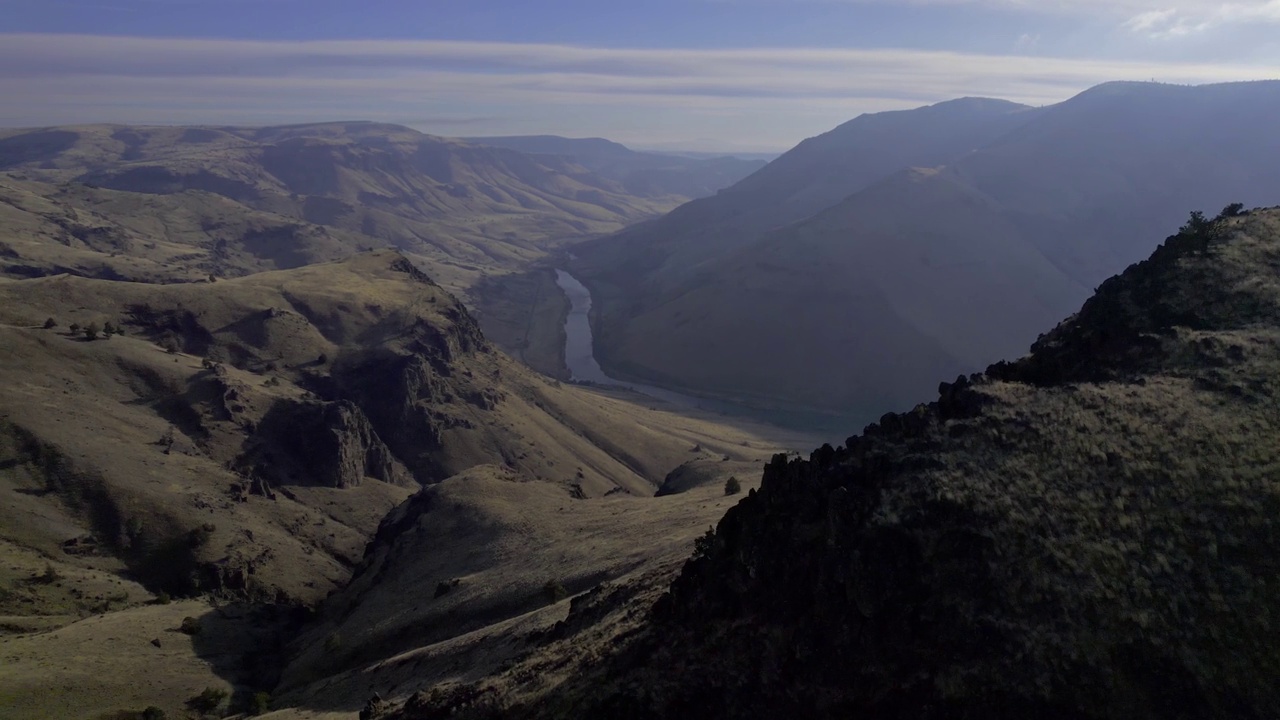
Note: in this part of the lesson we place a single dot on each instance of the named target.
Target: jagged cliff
(1087, 532)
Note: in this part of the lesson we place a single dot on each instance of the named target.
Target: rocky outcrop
(410, 392)
(327, 444)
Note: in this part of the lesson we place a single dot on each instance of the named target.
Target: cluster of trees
(92, 331)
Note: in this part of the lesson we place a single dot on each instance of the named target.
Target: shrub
(50, 324)
(732, 486)
(91, 332)
(163, 598)
(554, 591)
(704, 544)
(260, 704)
(153, 713)
(74, 328)
(108, 328)
(190, 626)
(207, 701)
(50, 575)
(333, 643)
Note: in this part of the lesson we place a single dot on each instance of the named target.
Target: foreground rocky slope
(1088, 532)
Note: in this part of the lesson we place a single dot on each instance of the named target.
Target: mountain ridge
(1003, 240)
(1082, 533)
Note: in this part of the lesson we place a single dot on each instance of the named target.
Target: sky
(715, 75)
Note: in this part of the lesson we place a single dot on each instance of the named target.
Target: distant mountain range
(640, 173)
(175, 203)
(854, 270)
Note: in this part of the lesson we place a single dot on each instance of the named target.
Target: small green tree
(50, 324)
(732, 486)
(74, 328)
(91, 332)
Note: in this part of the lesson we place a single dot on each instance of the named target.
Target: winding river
(579, 351)
(579, 356)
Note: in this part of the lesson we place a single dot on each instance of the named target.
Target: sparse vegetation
(208, 701)
(732, 486)
(50, 324)
(333, 643)
(554, 591)
(49, 576)
(153, 713)
(91, 332)
(190, 626)
(704, 543)
(260, 703)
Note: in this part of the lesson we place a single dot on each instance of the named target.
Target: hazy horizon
(706, 75)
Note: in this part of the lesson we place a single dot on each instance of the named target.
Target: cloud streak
(763, 97)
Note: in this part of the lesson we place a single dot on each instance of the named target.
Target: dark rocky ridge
(1088, 532)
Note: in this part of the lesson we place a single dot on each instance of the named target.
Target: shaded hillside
(1088, 532)
(943, 270)
(640, 173)
(174, 202)
(814, 175)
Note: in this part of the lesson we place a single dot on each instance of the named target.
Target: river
(579, 351)
(579, 356)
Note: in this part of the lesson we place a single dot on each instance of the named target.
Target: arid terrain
(165, 204)
(1086, 532)
(286, 426)
(242, 440)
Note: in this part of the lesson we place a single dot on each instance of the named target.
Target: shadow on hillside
(244, 644)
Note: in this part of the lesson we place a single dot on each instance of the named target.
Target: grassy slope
(177, 203)
(82, 424)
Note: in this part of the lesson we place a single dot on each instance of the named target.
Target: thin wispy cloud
(762, 96)
(1165, 19)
